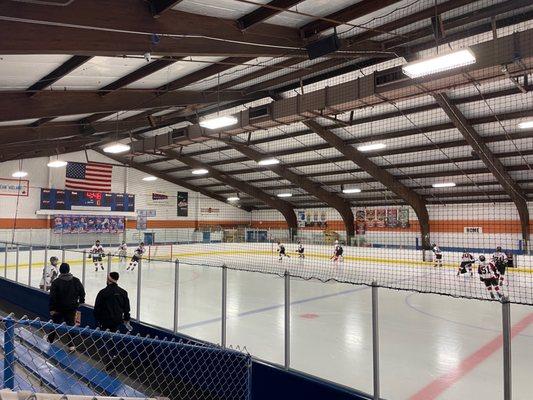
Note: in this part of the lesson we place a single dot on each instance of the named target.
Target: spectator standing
(50, 273)
(112, 305)
(66, 295)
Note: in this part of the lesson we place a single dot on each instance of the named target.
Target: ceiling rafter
(159, 7)
(495, 166)
(314, 188)
(263, 13)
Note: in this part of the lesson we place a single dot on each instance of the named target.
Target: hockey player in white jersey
(137, 255)
(97, 253)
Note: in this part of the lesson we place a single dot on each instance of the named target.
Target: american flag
(91, 176)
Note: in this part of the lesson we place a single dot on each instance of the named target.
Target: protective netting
(45, 357)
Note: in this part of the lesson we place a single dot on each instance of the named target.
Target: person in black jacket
(66, 295)
(112, 306)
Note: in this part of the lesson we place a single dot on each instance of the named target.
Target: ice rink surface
(432, 346)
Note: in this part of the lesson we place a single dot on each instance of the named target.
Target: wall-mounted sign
(14, 187)
(473, 229)
(209, 210)
(160, 198)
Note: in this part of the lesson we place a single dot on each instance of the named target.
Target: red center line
(444, 382)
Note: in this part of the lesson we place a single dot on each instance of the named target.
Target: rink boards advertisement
(68, 224)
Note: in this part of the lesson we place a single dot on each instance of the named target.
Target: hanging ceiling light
(57, 164)
(351, 190)
(199, 171)
(150, 178)
(284, 194)
(19, 174)
(444, 185)
(268, 161)
(526, 124)
(370, 147)
(234, 198)
(440, 63)
(219, 122)
(116, 148)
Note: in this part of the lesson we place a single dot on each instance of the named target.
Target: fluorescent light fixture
(351, 190)
(233, 199)
(150, 178)
(57, 164)
(284, 194)
(440, 63)
(219, 122)
(370, 147)
(19, 174)
(268, 161)
(526, 124)
(116, 148)
(199, 171)
(444, 185)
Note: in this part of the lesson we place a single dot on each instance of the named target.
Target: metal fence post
(62, 255)
(109, 263)
(17, 264)
(506, 324)
(176, 293)
(224, 305)
(5, 262)
(45, 256)
(375, 339)
(83, 267)
(9, 354)
(287, 304)
(139, 278)
(30, 257)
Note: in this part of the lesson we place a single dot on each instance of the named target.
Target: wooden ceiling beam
(262, 13)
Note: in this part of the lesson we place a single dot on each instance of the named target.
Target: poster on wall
(312, 219)
(183, 204)
(301, 219)
(381, 216)
(68, 224)
(14, 187)
(370, 218)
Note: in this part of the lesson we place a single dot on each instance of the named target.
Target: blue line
(273, 307)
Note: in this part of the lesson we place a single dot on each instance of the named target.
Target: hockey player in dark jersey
(467, 260)
(338, 252)
(282, 252)
(488, 274)
(499, 258)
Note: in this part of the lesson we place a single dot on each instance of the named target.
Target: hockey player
(488, 274)
(300, 250)
(97, 253)
(282, 252)
(338, 252)
(467, 260)
(122, 252)
(499, 258)
(437, 255)
(50, 272)
(137, 255)
(510, 260)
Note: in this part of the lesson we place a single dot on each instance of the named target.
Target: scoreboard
(58, 199)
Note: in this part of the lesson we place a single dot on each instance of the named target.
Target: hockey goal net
(160, 252)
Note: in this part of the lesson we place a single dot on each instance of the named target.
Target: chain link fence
(43, 357)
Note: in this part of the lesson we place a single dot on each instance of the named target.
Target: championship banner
(183, 204)
(392, 218)
(403, 217)
(68, 224)
(360, 222)
(312, 218)
(14, 187)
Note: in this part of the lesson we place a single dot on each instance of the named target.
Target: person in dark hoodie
(112, 306)
(66, 295)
